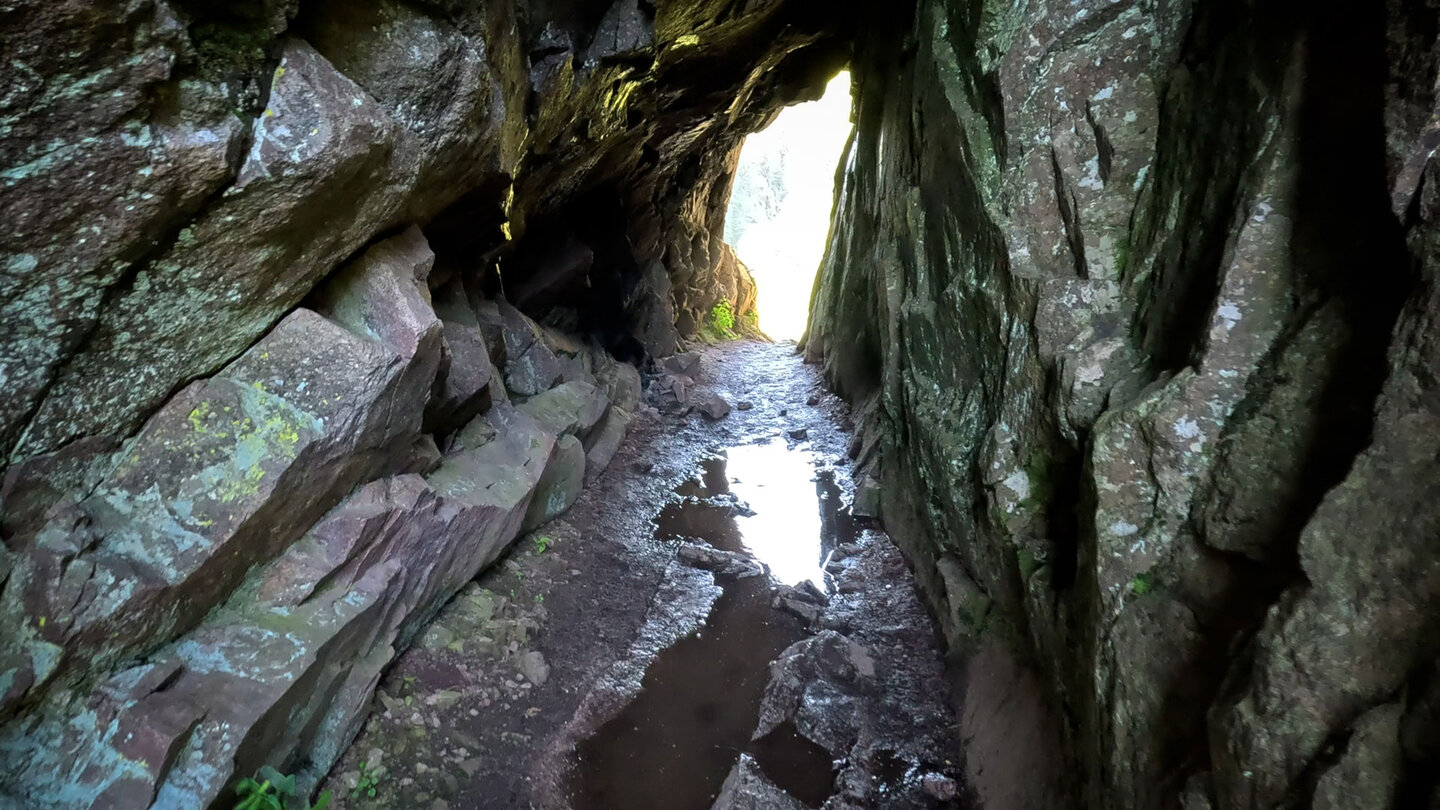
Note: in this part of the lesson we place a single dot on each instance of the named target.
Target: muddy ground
(530, 689)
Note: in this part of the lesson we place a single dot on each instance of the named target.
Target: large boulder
(561, 483)
(291, 663)
(531, 366)
(96, 175)
(445, 89)
(568, 408)
(223, 478)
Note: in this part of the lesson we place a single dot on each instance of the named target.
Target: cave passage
(779, 215)
(723, 405)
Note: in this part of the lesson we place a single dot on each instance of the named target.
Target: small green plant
(1142, 584)
(367, 784)
(272, 790)
(539, 597)
(542, 544)
(722, 319)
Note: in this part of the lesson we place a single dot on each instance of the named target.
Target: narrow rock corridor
(556, 680)
(386, 420)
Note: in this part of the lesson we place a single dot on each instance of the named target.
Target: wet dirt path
(621, 656)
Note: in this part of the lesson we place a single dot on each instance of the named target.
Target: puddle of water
(672, 747)
(779, 484)
(797, 520)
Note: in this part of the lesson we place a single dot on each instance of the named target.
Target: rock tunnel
(316, 317)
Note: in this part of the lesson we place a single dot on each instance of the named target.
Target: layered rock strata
(228, 594)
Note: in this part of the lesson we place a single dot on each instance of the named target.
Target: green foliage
(1142, 584)
(542, 544)
(721, 323)
(368, 783)
(272, 790)
(1122, 255)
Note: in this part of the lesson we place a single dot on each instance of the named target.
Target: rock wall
(228, 594)
(309, 309)
(1138, 301)
(172, 198)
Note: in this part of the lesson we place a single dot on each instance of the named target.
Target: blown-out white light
(780, 207)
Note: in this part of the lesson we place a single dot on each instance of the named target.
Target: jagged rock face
(229, 592)
(170, 200)
(1140, 299)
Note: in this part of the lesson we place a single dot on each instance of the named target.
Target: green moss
(197, 417)
(1040, 472)
(1142, 584)
(1027, 562)
(224, 48)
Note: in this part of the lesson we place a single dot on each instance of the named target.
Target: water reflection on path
(672, 747)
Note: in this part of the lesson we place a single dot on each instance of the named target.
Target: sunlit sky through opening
(780, 208)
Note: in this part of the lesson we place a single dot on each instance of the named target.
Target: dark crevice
(1301, 795)
(1420, 739)
(1215, 115)
(1063, 515)
(1070, 216)
(1103, 146)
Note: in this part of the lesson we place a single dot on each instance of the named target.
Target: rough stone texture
(1141, 292)
(812, 684)
(239, 266)
(173, 197)
(604, 440)
(463, 384)
(262, 642)
(747, 788)
(224, 224)
(289, 664)
(560, 484)
(1136, 301)
(570, 408)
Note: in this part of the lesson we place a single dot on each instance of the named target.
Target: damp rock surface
(1131, 300)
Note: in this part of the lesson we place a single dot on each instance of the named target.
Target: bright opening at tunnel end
(780, 206)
